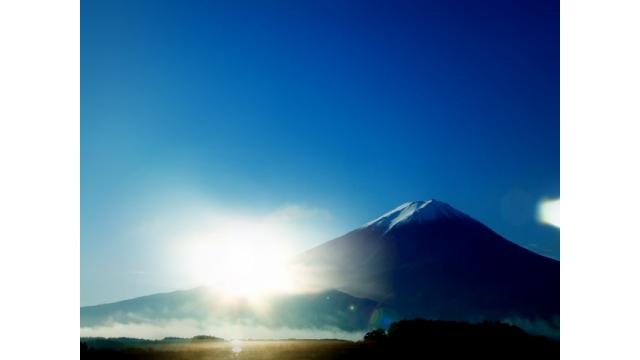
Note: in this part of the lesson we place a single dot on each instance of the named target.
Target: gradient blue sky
(340, 110)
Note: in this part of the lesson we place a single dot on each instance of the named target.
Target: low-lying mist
(228, 330)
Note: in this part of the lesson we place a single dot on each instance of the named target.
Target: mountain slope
(427, 259)
(327, 309)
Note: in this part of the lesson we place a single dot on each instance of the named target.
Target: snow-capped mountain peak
(415, 211)
(427, 259)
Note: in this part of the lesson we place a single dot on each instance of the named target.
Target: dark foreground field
(416, 339)
(280, 349)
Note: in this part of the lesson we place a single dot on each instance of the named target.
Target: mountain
(328, 309)
(427, 259)
(422, 259)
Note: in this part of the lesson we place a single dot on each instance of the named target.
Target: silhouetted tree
(375, 335)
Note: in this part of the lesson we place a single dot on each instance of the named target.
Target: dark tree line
(435, 339)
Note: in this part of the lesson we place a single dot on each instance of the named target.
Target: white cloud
(293, 212)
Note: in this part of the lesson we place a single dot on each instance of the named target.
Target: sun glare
(549, 212)
(243, 259)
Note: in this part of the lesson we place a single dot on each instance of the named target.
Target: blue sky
(332, 112)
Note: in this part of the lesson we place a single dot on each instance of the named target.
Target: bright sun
(243, 258)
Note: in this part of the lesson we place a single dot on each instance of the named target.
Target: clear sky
(320, 114)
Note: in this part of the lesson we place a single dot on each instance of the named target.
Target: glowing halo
(549, 212)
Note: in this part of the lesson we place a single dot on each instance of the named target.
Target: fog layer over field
(190, 328)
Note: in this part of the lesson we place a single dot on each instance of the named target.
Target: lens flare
(549, 212)
(236, 347)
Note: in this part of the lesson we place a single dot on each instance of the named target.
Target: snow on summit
(416, 211)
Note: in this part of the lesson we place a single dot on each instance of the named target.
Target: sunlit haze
(241, 257)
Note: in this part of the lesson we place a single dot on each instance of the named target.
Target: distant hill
(123, 342)
(330, 308)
